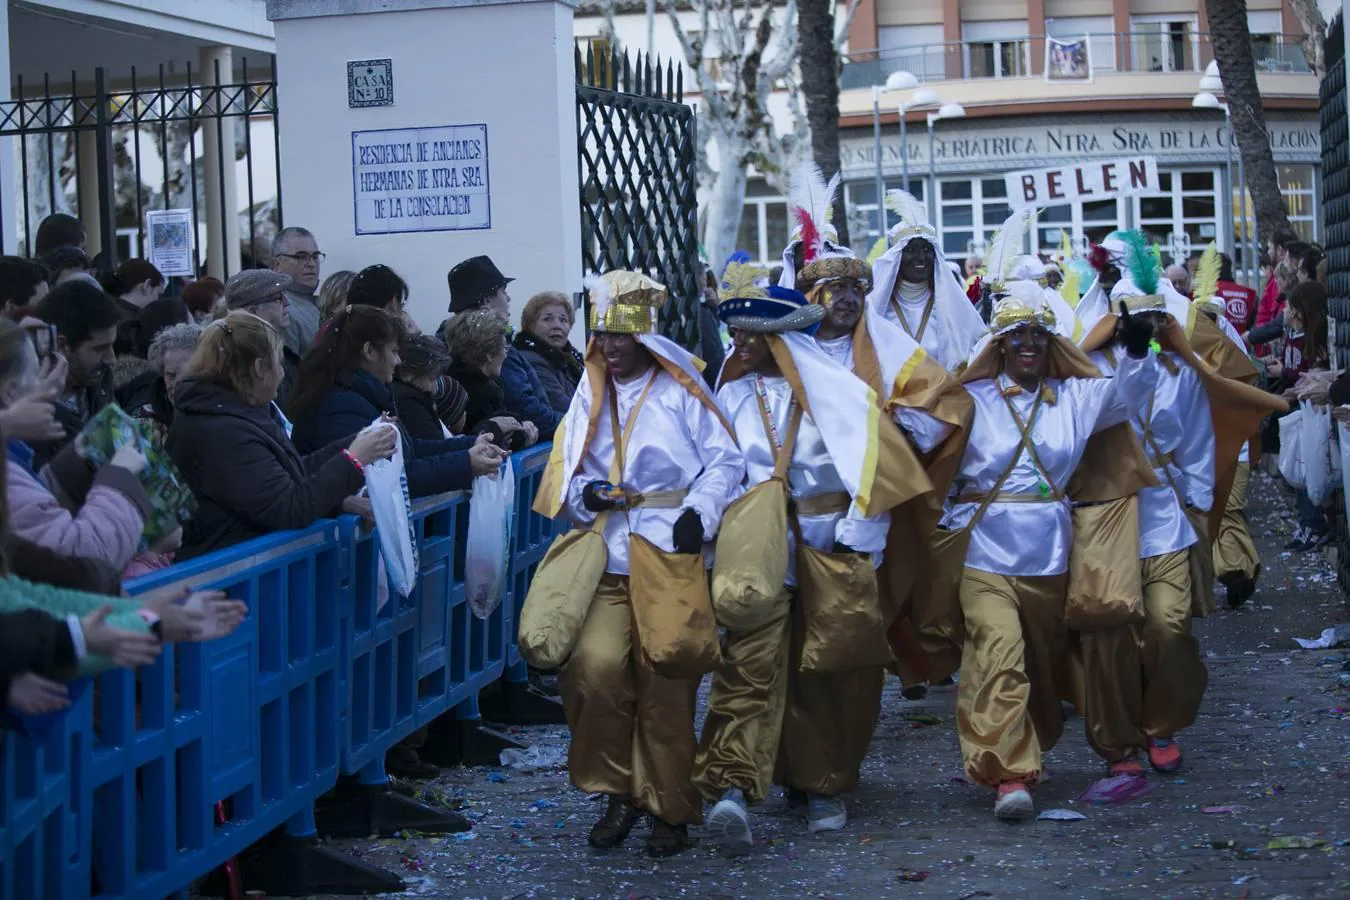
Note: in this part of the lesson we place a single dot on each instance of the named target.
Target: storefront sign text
(1096, 180)
(421, 179)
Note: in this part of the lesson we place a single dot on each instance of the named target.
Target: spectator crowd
(257, 394)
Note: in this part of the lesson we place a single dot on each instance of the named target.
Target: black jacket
(34, 641)
(559, 371)
(432, 467)
(248, 477)
(710, 346)
(417, 413)
(487, 398)
(146, 397)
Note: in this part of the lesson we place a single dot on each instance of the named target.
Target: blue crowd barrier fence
(117, 796)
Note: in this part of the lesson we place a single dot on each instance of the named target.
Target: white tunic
(941, 346)
(675, 443)
(1022, 538)
(926, 431)
(1181, 426)
(810, 473)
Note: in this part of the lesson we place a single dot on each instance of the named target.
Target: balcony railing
(1138, 51)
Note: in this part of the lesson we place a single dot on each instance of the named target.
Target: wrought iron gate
(145, 140)
(637, 157)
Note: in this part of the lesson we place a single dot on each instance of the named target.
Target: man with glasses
(267, 295)
(296, 255)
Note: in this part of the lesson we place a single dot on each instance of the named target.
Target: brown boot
(614, 825)
(666, 839)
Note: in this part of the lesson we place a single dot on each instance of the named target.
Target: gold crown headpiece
(624, 302)
(1022, 304)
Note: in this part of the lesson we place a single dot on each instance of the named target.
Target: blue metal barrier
(117, 798)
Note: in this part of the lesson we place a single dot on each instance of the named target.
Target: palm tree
(818, 46)
(1233, 51)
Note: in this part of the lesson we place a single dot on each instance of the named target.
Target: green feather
(1141, 261)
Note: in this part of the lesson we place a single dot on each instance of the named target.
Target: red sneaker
(1014, 802)
(1164, 754)
(1131, 766)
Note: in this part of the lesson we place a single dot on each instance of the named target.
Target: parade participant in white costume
(1038, 403)
(1030, 269)
(797, 696)
(912, 287)
(932, 408)
(645, 456)
(1143, 683)
(813, 198)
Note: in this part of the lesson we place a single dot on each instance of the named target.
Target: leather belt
(1010, 497)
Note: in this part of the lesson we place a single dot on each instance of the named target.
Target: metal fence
(637, 165)
(109, 153)
(1336, 229)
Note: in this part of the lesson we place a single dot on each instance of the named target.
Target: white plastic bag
(1317, 452)
(387, 487)
(1291, 448)
(488, 545)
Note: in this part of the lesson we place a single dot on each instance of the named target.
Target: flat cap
(254, 286)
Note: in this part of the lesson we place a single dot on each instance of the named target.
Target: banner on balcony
(1097, 180)
(1068, 60)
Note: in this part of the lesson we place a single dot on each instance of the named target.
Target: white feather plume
(907, 207)
(811, 193)
(598, 288)
(1006, 244)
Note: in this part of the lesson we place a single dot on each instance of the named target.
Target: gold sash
(672, 611)
(564, 585)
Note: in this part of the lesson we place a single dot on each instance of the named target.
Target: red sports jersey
(1239, 304)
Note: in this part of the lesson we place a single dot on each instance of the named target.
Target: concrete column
(505, 66)
(86, 153)
(222, 198)
(11, 198)
(1120, 17)
(951, 31)
(1035, 28)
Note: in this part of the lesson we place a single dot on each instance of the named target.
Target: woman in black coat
(423, 360)
(478, 347)
(231, 444)
(542, 340)
(344, 386)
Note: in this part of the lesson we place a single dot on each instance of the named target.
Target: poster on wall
(1096, 180)
(1068, 60)
(421, 179)
(168, 235)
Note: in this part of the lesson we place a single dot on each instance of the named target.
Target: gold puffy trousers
(632, 729)
(745, 711)
(768, 721)
(1108, 689)
(1234, 552)
(1007, 709)
(828, 723)
(1174, 674)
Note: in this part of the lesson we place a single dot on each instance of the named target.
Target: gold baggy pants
(1144, 680)
(1234, 551)
(768, 721)
(632, 729)
(1007, 708)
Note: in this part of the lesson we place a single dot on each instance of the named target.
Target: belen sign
(1097, 180)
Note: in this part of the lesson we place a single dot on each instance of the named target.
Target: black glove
(688, 533)
(592, 499)
(1133, 333)
(841, 547)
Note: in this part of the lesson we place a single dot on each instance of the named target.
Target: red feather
(810, 236)
(1098, 258)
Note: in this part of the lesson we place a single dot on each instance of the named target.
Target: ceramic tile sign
(421, 179)
(1095, 180)
(370, 82)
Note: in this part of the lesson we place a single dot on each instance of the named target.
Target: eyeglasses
(305, 257)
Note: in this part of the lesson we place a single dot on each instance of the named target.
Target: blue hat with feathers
(749, 303)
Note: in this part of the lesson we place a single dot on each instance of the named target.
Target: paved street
(1266, 766)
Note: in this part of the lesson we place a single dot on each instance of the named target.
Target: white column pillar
(11, 195)
(222, 197)
(86, 153)
(505, 66)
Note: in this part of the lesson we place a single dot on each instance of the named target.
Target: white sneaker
(729, 823)
(1014, 803)
(825, 813)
